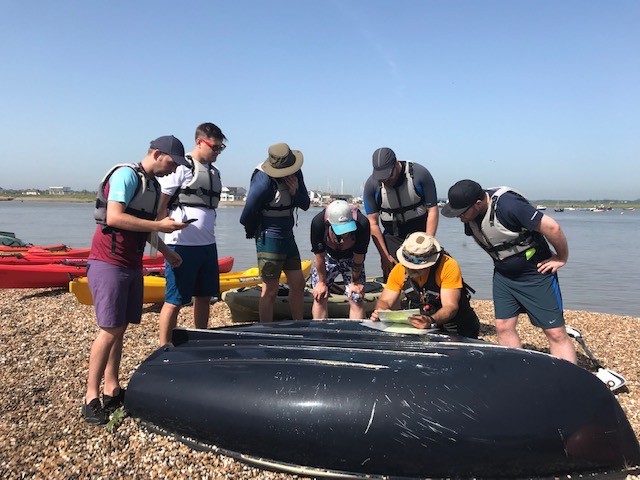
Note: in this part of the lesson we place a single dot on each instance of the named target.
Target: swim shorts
(276, 255)
(539, 296)
(335, 267)
(197, 276)
(117, 293)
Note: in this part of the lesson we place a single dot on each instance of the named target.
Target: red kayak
(32, 275)
(58, 247)
(43, 252)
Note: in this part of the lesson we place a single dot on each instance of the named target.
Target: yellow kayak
(154, 286)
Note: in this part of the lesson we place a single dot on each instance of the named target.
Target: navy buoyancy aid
(346, 241)
(282, 203)
(496, 239)
(202, 191)
(399, 205)
(427, 299)
(144, 203)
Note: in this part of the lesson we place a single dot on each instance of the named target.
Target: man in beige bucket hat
(432, 281)
(277, 188)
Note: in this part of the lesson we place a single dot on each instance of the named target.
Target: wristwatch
(432, 321)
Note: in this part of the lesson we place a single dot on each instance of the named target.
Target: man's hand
(420, 321)
(320, 291)
(174, 259)
(550, 265)
(356, 289)
(374, 316)
(168, 225)
(388, 262)
(292, 184)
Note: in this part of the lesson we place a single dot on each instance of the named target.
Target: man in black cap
(517, 238)
(402, 195)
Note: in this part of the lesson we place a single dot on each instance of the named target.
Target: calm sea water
(602, 274)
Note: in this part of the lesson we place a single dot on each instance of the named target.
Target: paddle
(612, 379)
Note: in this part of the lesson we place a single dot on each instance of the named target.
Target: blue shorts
(276, 255)
(117, 293)
(197, 276)
(538, 296)
(335, 267)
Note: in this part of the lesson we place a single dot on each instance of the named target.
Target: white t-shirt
(200, 232)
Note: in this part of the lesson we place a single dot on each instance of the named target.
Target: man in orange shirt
(432, 281)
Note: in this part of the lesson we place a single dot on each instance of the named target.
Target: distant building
(232, 194)
(59, 190)
(32, 192)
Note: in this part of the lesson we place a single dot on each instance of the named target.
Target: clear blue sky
(543, 96)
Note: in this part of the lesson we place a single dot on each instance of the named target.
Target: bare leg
(507, 333)
(319, 309)
(295, 280)
(112, 370)
(560, 345)
(356, 310)
(201, 309)
(268, 299)
(168, 321)
(99, 357)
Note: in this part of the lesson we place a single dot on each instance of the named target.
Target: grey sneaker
(94, 413)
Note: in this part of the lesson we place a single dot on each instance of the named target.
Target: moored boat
(243, 302)
(334, 398)
(155, 286)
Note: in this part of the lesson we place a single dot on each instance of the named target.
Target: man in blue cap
(339, 239)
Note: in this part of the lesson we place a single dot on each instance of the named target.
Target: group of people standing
(178, 194)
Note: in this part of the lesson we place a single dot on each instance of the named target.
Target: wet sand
(47, 335)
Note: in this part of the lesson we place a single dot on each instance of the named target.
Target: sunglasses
(215, 148)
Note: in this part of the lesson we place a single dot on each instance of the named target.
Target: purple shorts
(117, 294)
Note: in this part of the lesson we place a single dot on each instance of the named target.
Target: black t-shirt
(319, 231)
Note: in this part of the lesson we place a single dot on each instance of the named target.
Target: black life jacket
(427, 299)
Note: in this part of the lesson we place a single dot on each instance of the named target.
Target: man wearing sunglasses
(401, 195)
(432, 281)
(192, 193)
(516, 236)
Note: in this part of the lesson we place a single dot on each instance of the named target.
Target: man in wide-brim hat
(277, 188)
(432, 281)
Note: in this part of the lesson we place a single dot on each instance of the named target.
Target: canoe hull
(243, 303)
(334, 397)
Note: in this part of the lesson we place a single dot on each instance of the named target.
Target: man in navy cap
(403, 196)
(517, 237)
(125, 214)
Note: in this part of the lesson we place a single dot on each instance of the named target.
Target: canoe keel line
(335, 399)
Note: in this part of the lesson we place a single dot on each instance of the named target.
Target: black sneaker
(94, 413)
(111, 404)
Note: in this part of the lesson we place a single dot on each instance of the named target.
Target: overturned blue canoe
(336, 398)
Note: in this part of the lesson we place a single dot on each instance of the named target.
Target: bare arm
(162, 208)
(385, 302)
(320, 291)
(356, 287)
(117, 218)
(554, 234)
(450, 299)
(378, 240)
(432, 220)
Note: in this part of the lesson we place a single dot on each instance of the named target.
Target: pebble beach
(47, 335)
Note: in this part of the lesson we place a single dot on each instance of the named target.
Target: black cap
(172, 147)
(462, 195)
(383, 162)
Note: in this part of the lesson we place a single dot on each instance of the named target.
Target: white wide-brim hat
(419, 251)
(282, 161)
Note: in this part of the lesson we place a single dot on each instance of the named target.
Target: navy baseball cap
(384, 159)
(172, 147)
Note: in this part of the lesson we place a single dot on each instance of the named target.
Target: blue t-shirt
(122, 185)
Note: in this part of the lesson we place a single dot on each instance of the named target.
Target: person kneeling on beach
(432, 281)
(339, 239)
(126, 209)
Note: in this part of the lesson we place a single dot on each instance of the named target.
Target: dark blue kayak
(334, 397)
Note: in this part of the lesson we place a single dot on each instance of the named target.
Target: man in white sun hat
(432, 281)
(339, 239)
